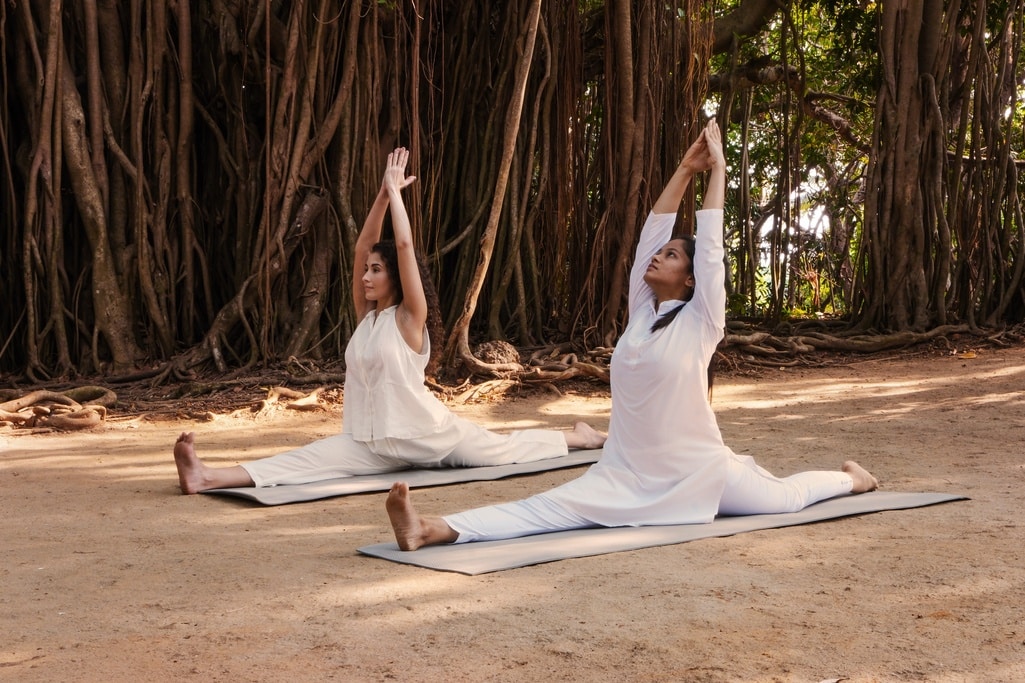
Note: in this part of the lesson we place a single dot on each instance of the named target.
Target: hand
(697, 158)
(713, 139)
(715, 191)
(395, 172)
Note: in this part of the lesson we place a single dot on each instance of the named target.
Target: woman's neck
(661, 298)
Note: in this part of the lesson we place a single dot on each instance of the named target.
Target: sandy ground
(109, 574)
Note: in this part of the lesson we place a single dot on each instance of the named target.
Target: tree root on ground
(291, 399)
(74, 409)
(811, 343)
(745, 350)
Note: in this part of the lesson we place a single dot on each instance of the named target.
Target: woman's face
(670, 273)
(377, 285)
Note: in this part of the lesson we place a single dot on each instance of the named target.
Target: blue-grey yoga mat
(492, 556)
(416, 478)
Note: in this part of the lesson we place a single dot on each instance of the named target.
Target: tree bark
(113, 310)
(459, 340)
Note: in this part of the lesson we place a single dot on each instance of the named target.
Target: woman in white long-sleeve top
(392, 421)
(664, 461)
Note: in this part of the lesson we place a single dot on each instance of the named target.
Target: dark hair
(663, 320)
(435, 329)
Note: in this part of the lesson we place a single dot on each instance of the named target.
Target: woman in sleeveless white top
(664, 461)
(391, 420)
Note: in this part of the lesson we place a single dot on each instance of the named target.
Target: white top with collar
(665, 461)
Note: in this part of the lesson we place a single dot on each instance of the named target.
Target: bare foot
(585, 436)
(405, 521)
(863, 481)
(190, 467)
(411, 530)
(195, 476)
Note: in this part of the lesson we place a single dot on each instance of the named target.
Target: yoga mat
(416, 478)
(492, 556)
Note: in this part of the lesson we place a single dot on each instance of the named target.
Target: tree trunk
(894, 213)
(112, 306)
(459, 340)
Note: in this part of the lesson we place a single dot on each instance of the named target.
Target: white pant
(753, 490)
(463, 444)
(750, 490)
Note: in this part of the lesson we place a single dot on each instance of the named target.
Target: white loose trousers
(461, 444)
(750, 490)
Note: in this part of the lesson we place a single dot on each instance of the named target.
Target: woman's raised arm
(412, 313)
(368, 237)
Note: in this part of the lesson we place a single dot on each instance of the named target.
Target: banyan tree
(182, 182)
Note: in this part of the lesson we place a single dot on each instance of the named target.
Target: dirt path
(109, 575)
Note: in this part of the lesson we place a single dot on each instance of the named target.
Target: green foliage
(846, 38)
(736, 304)
(806, 144)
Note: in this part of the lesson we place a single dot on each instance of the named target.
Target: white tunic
(665, 461)
(385, 395)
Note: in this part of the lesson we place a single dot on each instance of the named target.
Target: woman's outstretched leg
(753, 490)
(411, 530)
(195, 476)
